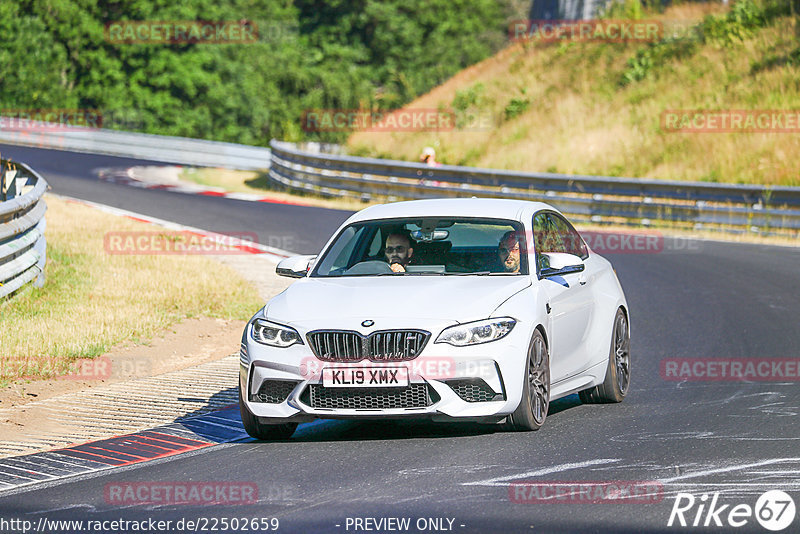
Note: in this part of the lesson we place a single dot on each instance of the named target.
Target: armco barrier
(181, 150)
(730, 208)
(22, 225)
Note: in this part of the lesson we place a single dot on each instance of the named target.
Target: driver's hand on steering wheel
(396, 267)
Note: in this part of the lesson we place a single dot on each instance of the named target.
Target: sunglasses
(392, 250)
(504, 250)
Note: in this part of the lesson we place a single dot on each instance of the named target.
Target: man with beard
(508, 252)
(398, 251)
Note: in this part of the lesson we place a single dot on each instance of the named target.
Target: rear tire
(532, 410)
(262, 431)
(618, 374)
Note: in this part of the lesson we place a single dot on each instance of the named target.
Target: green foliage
(655, 55)
(517, 106)
(736, 25)
(471, 97)
(467, 105)
(639, 66)
(311, 54)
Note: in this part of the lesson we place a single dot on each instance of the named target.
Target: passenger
(398, 251)
(508, 251)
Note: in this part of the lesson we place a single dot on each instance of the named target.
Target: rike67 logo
(774, 510)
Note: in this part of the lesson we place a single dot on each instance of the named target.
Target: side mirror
(295, 266)
(559, 263)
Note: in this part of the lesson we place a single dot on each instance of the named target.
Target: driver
(398, 251)
(508, 251)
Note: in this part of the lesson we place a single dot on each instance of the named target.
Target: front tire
(532, 409)
(261, 431)
(618, 374)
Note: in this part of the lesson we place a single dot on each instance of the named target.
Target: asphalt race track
(297, 228)
(689, 299)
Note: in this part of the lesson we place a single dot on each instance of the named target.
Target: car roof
(492, 208)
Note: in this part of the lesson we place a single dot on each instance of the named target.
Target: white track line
(502, 481)
(727, 469)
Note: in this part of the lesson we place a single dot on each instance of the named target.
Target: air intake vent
(412, 396)
(274, 391)
(474, 390)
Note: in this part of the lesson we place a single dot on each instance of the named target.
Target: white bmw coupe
(452, 310)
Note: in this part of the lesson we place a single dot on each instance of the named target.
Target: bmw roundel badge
(367, 323)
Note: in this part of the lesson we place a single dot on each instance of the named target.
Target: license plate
(366, 377)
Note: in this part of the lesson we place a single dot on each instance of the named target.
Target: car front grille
(411, 396)
(381, 346)
(474, 390)
(274, 391)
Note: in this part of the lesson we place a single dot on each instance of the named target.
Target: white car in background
(471, 329)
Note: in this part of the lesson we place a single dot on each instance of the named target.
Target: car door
(569, 296)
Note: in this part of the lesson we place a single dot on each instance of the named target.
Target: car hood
(453, 298)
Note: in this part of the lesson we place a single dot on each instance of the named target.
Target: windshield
(428, 246)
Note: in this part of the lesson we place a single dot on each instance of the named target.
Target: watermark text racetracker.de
(100, 368)
(185, 242)
(638, 242)
(430, 367)
(587, 30)
(49, 120)
(401, 120)
(731, 121)
(172, 493)
(730, 369)
(586, 491)
(172, 32)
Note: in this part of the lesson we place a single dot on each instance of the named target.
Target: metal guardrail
(731, 208)
(181, 150)
(728, 207)
(22, 224)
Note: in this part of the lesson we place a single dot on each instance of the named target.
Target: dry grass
(93, 300)
(581, 119)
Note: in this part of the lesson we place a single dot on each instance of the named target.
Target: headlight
(275, 335)
(477, 332)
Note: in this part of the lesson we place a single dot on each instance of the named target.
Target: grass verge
(93, 300)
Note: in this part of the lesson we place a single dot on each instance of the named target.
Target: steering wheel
(369, 267)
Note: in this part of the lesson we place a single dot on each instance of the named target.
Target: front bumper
(481, 383)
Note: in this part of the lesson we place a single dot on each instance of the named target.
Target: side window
(540, 224)
(569, 239)
(546, 236)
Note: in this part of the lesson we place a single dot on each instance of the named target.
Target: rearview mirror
(559, 263)
(295, 266)
(427, 237)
